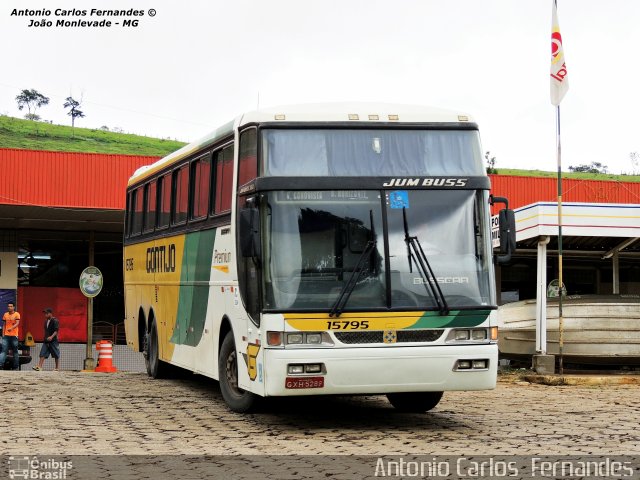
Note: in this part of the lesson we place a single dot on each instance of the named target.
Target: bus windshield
(315, 241)
(370, 152)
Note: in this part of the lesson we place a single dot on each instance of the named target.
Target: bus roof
(352, 112)
(355, 112)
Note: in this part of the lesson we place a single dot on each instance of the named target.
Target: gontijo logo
(161, 259)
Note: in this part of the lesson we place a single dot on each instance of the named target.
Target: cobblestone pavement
(124, 413)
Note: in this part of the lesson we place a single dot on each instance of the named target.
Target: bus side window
(150, 206)
(164, 201)
(248, 157)
(180, 195)
(223, 178)
(137, 199)
(200, 174)
(129, 214)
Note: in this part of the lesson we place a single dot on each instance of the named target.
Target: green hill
(32, 135)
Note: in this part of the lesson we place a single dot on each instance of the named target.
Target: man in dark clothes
(50, 345)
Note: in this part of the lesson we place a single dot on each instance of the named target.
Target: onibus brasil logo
(35, 468)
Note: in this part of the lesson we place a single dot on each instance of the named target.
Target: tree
(595, 167)
(75, 112)
(32, 99)
(491, 163)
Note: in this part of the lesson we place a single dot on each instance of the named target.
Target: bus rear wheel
(414, 402)
(156, 368)
(238, 400)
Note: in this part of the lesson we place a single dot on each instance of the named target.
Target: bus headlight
(472, 335)
(461, 335)
(306, 369)
(314, 338)
(479, 364)
(479, 334)
(471, 365)
(300, 339)
(294, 338)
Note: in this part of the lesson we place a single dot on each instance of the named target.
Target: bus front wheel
(414, 402)
(237, 399)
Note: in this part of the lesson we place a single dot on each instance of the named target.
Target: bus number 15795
(348, 325)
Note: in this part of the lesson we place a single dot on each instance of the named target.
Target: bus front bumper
(380, 370)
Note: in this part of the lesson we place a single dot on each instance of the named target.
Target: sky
(197, 64)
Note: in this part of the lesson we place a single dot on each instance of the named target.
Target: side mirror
(507, 228)
(249, 233)
(507, 221)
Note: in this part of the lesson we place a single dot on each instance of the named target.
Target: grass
(578, 176)
(32, 135)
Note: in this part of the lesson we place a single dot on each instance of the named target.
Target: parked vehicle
(25, 356)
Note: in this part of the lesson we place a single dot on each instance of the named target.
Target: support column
(541, 297)
(616, 272)
(89, 363)
(543, 363)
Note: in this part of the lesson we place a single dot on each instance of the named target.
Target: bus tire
(414, 402)
(237, 400)
(156, 368)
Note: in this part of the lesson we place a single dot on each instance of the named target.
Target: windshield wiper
(416, 254)
(350, 286)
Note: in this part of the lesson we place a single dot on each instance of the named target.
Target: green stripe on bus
(455, 318)
(193, 299)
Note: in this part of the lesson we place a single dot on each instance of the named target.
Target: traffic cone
(105, 357)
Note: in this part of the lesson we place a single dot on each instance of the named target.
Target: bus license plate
(305, 382)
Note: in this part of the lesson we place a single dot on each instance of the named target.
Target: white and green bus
(319, 249)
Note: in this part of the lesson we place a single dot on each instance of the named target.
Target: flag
(559, 81)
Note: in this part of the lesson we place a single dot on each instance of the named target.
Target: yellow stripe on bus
(353, 321)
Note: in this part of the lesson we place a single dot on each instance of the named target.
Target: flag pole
(560, 282)
(559, 87)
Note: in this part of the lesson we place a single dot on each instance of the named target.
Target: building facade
(61, 212)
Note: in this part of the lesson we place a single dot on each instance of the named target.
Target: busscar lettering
(426, 182)
(161, 259)
(459, 280)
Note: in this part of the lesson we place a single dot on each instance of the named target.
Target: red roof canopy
(64, 179)
(523, 191)
(98, 181)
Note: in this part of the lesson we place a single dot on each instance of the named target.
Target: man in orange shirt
(11, 320)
